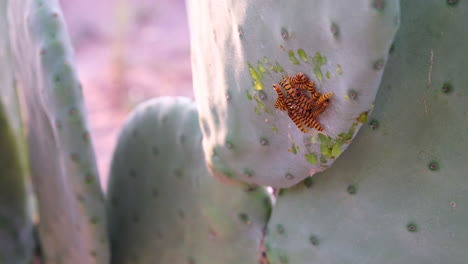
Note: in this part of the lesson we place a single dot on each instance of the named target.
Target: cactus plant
(398, 194)
(241, 48)
(165, 207)
(72, 225)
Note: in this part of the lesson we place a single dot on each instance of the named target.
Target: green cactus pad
(72, 226)
(164, 206)
(399, 193)
(241, 48)
(16, 237)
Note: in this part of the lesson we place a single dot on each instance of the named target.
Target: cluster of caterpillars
(303, 109)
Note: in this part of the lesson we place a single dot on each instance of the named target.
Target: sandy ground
(127, 51)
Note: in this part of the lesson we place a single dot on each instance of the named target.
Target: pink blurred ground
(125, 56)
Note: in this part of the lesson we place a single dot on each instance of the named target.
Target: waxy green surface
(72, 226)
(241, 48)
(165, 207)
(399, 193)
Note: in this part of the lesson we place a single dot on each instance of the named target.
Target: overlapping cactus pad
(242, 48)
(399, 193)
(72, 217)
(16, 241)
(164, 207)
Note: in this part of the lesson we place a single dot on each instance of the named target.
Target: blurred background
(127, 51)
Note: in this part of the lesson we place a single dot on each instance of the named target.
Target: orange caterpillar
(301, 109)
(297, 95)
(301, 82)
(281, 101)
(295, 111)
(293, 84)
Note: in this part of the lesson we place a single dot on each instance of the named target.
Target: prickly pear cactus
(72, 224)
(241, 48)
(164, 206)
(16, 240)
(399, 193)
